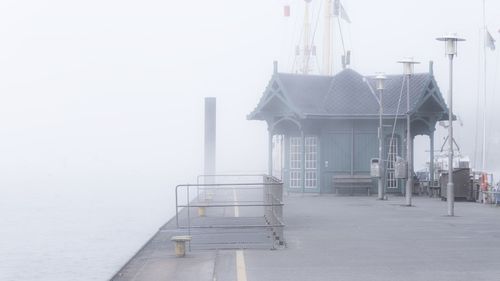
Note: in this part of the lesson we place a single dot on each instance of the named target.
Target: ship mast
(327, 38)
(307, 50)
(307, 39)
(483, 166)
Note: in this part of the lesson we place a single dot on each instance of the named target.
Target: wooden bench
(180, 244)
(352, 184)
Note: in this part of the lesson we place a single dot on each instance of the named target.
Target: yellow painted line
(236, 208)
(241, 270)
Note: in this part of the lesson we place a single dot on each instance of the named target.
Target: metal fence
(273, 206)
(231, 206)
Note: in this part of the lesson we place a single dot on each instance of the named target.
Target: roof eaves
(422, 97)
(269, 94)
(352, 116)
(285, 98)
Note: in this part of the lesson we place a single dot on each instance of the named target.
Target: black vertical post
(210, 141)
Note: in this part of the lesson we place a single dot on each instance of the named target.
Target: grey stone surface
(219, 230)
(349, 238)
(361, 238)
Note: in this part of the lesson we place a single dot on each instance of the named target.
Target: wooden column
(431, 162)
(352, 149)
(270, 153)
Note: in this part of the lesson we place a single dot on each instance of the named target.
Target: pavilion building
(325, 128)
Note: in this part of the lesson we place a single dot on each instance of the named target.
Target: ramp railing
(231, 206)
(273, 199)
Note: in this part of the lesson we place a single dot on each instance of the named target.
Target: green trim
(434, 93)
(269, 94)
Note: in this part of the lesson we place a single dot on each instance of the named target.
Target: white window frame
(295, 162)
(311, 162)
(392, 182)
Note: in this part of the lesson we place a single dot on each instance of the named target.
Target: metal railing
(223, 178)
(490, 197)
(250, 200)
(273, 199)
(233, 177)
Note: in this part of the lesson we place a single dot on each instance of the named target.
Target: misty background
(101, 109)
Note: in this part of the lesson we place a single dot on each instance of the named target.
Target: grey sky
(95, 89)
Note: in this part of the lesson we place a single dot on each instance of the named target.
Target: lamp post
(408, 66)
(380, 80)
(451, 51)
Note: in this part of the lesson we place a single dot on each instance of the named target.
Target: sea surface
(69, 231)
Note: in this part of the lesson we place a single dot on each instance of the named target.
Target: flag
(343, 14)
(339, 11)
(490, 42)
(286, 11)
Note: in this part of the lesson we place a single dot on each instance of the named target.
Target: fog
(102, 101)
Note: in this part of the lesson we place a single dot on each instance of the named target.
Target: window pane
(393, 152)
(311, 157)
(295, 162)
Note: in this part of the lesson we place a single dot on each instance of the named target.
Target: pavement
(343, 238)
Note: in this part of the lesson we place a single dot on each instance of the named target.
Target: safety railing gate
(244, 213)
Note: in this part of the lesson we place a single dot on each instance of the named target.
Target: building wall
(347, 149)
(344, 148)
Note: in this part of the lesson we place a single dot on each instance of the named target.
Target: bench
(180, 244)
(352, 184)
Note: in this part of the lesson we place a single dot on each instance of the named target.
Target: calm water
(71, 232)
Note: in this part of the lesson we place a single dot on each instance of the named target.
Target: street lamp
(451, 51)
(408, 66)
(380, 81)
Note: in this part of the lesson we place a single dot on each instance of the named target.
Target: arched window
(295, 162)
(311, 163)
(392, 148)
(310, 155)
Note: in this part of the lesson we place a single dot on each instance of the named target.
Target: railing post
(188, 213)
(176, 207)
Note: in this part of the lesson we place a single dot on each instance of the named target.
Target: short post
(201, 211)
(180, 244)
(210, 138)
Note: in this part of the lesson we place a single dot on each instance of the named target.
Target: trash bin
(461, 182)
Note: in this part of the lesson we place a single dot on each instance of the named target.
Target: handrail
(226, 175)
(210, 185)
(272, 201)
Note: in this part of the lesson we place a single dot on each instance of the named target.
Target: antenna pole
(483, 167)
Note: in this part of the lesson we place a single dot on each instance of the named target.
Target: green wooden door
(336, 157)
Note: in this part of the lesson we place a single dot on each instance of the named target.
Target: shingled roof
(347, 94)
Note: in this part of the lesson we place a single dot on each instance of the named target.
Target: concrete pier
(344, 238)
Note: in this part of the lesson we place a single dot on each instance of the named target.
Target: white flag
(490, 42)
(339, 11)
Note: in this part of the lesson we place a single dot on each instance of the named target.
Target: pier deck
(345, 238)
